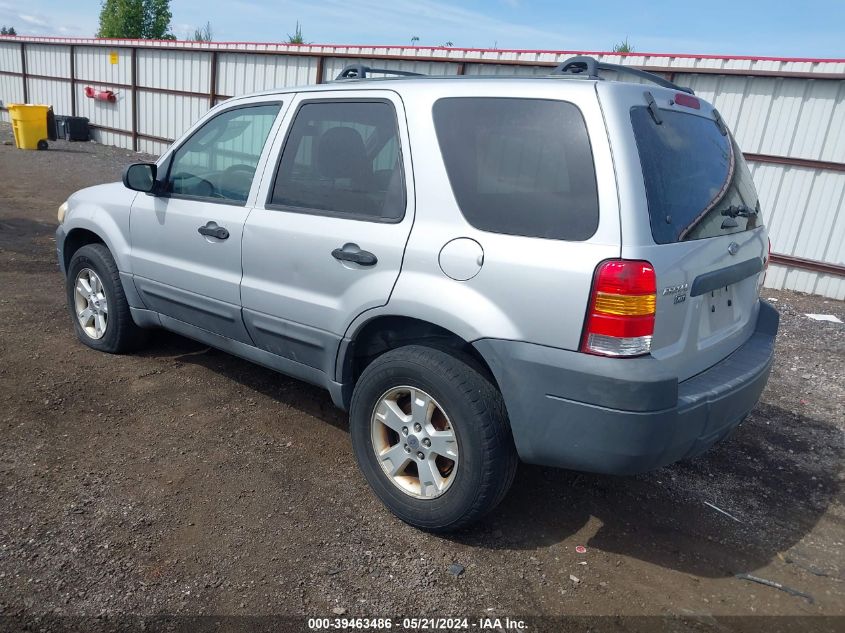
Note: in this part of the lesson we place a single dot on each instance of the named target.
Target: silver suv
(561, 270)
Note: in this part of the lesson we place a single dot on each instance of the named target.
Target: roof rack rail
(590, 67)
(359, 71)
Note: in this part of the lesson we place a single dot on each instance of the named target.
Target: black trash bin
(72, 128)
(52, 128)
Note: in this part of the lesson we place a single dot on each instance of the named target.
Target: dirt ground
(184, 481)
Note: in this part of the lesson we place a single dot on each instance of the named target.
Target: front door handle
(212, 230)
(352, 253)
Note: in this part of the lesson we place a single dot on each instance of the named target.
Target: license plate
(720, 305)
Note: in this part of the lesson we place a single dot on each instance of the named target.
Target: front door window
(219, 160)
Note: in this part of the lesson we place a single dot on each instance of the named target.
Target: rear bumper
(615, 416)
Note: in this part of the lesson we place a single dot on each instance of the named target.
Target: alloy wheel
(91, 304)
(414, 442)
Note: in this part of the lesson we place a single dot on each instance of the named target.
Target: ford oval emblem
(733, 248)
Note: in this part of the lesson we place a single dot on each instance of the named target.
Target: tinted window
(219, 160)
(343, 158)
(520, 166)
(692, 172)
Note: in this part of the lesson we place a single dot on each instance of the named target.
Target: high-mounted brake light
(620, 319)
(688, 101)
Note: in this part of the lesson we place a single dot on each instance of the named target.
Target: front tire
(431, 435)
(98, 307)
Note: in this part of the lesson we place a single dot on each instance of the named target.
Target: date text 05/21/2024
(417, 624)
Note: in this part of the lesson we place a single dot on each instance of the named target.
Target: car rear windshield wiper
(739, 211)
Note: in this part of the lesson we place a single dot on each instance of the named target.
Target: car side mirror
(141, 177)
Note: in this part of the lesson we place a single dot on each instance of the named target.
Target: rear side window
(692, 173)
(343, 159)
(520, 166)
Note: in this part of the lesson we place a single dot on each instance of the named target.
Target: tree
(8, 30)
(448, 44)
(414, 39)
(202, 34)
(136, 19)
(623, 47)
(297, 38)
(157, 18)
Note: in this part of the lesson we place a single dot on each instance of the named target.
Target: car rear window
(519, 166)
(692, 173)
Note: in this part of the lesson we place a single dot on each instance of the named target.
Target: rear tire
(481, 460)
(92, 269)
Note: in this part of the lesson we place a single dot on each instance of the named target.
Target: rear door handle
(352, 253)
(212, 230)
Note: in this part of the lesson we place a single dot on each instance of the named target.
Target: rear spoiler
(589, 67)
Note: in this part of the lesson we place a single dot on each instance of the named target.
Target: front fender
(104, 211)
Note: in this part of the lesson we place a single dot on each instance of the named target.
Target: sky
(813, 28)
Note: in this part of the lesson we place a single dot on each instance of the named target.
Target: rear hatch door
(692, 211)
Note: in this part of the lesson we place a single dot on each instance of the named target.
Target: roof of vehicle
(578, 70)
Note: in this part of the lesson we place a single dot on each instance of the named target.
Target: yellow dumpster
(29, 123)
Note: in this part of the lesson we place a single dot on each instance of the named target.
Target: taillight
(620, 319)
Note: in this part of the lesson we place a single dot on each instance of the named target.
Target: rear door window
(343, 159)
(519, 166)
(692, 173)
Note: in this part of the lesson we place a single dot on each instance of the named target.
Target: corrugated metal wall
(174, 70)
(95, 67)
(11, 86)
(788, 115)
(239, 73)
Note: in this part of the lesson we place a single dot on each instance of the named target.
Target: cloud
(397, 21)
(34, 20)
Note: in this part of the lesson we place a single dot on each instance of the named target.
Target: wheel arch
(83, 231)
(90, 224)
(77, 238)
(384, 332)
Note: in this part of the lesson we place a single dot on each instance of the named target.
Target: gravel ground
(184, 481)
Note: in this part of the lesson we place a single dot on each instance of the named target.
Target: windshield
(696, 179)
